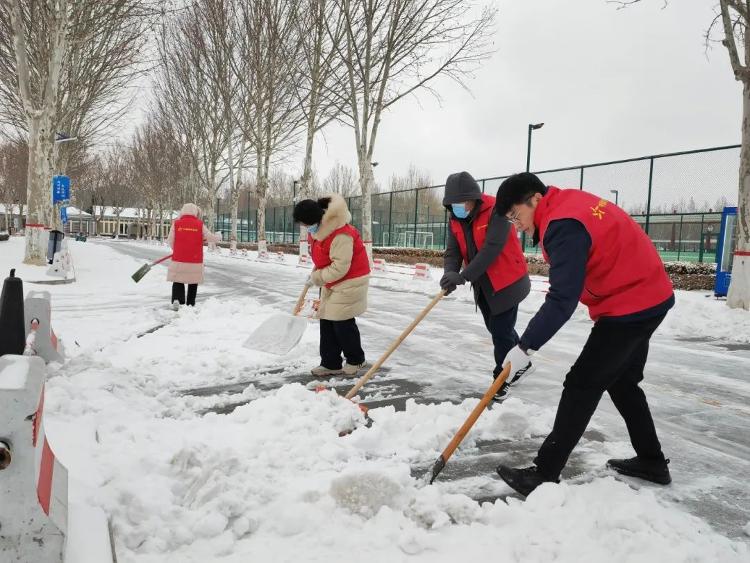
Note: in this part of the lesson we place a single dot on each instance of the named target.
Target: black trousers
(502, 327)
(178, 293)
(337, 337)
(612, 360)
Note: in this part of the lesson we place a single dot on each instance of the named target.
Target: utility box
(725, 251)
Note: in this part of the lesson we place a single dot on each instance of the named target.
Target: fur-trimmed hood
(336, 216)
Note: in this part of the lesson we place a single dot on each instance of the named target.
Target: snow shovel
(376, 366)
(280, 333)
(464, 430)
(146, 268)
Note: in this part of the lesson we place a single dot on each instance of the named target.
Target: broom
(146, 268)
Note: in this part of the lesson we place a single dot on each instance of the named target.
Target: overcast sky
(608, 84)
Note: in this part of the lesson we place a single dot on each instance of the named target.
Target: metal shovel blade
(278, 334)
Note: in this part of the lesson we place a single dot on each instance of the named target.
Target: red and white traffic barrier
(38, 525)
(304, 261)
(379, 264)
(40, 338)
(33, 484)
(421, 272)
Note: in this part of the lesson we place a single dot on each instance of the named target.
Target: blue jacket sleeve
(567, 244)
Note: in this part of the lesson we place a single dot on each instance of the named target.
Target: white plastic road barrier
(34, 484)
(44, 343)
(421, 272)
(62, 263)
(379, 264)
(304, 261)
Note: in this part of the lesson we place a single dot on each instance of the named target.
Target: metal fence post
(650, 185)
(256, 225)
(679, 244)
(390, 220)
(283, 221)
(482, 186)
(416, 211)
(580, 181)
(700, 245)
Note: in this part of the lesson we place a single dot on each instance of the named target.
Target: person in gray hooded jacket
(483, 249)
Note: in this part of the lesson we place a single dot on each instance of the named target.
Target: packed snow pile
(274, 481)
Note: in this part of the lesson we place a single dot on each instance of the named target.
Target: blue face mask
(312, 229)
(459, 210)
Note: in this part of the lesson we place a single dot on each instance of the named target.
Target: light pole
(617, 193)
(532, 126)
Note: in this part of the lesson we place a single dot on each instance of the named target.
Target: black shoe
(524, 480)
(654, 471)
(505, 388)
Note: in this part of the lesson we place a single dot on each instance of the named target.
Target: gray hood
(459, 187)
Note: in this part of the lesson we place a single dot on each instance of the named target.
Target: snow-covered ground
(202, 450)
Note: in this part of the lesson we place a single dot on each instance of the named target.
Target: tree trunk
(366, 183)
(306, 178)
(739, 288)
(235, 207)
(38, 195)
(262, 188)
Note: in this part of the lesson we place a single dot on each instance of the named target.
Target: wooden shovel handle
(301, 301)
(366, 377)
(478, 410)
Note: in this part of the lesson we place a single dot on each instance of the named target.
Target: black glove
(450, 281)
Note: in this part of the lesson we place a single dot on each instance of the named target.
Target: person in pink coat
(186, 238)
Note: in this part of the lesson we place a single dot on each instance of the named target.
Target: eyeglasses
(512, 216)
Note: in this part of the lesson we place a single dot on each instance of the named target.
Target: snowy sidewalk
(273, 481)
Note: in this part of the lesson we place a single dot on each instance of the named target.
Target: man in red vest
(483, 249)
(600, 256)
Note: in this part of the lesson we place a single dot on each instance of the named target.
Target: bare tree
(735, 18)
(63, 65)
(269, 47)
(321, 30)
(190, 106)
(38, 86)
(341, 180)
(155, 173)
(216, 22)
(13, 166)
(392, 49)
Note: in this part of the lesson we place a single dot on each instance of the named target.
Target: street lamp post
(617, 193)
(532, 126)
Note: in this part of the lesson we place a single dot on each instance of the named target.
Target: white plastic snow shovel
(280, 333)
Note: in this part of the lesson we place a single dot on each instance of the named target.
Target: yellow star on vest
(598, 213)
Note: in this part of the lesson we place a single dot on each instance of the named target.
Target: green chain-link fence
(677, 198)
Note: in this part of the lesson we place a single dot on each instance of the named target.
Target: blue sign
(64, 215)
(725, 252)
(60, 188)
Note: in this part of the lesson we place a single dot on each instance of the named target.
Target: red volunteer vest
(320, 250)
(188, 240)
(624, 273)
(510, 265)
